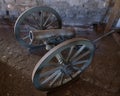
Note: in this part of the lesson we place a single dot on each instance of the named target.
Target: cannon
(64, 60)
(67, 56)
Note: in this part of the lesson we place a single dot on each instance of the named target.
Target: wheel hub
(68, 69)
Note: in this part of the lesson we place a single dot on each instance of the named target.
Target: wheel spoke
(78, 52)
(26, 37)
(33, 26)
(79, 70)
(81, 56)
(53, 21)
(41, 19)
(36, 21)
(79, 62)
(56, 78)
(50, 77)
(29, 24)
(47, 19)
(76, 68)
(70, 53)
(49, 72)
(61, 79)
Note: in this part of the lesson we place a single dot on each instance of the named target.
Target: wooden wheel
(62, 64)
(36, 18)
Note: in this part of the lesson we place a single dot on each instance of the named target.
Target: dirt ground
(14, 83)
(102, 78)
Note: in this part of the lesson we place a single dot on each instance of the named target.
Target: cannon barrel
(45, 34)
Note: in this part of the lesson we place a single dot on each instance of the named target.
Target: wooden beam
(113, 15)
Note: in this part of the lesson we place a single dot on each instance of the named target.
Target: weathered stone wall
(73, 12)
